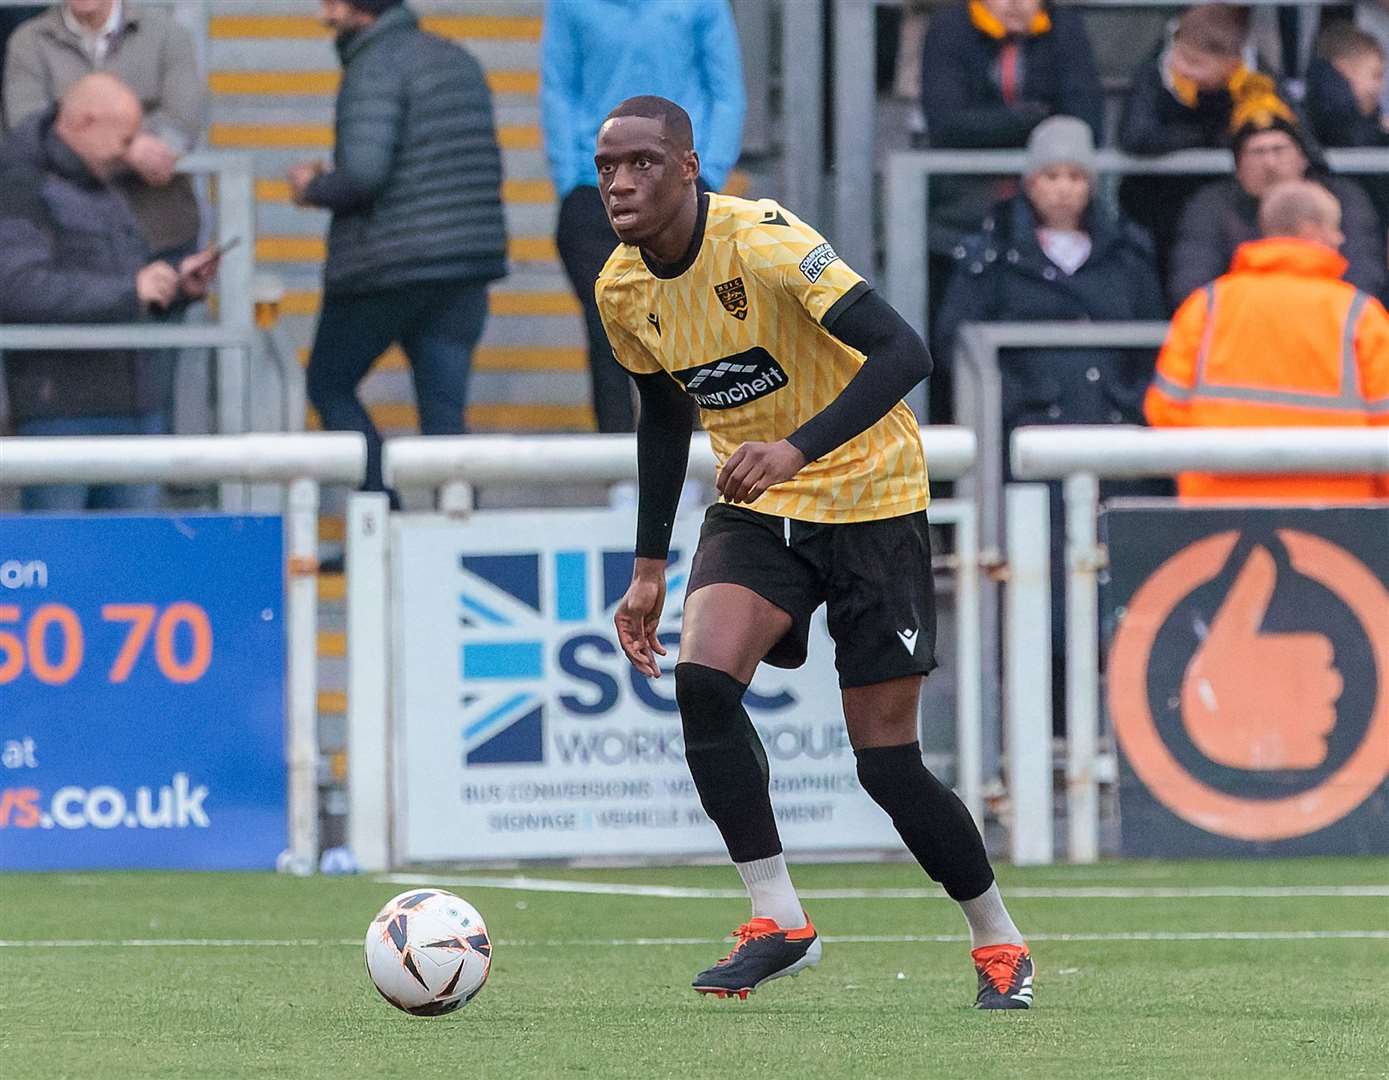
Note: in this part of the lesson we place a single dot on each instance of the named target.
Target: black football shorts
(874, 577)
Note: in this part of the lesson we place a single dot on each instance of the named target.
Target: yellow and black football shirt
(740, 324)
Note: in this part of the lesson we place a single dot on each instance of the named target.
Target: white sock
(989, 921)
(773, 895)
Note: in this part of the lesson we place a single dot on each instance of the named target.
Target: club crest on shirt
(734, 298)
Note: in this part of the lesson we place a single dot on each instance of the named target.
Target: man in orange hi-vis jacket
(1279, 341)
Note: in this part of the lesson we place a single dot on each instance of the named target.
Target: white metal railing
(1081, 456)
(300, 463)
(454, 465)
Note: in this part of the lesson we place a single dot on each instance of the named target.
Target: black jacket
(416, 185)
(1155, 122)
(70, 250)
(1221, 216)
(1338, 121)
(960, 92)
(1002, 275)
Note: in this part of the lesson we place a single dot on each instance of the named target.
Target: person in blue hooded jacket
(593, 55)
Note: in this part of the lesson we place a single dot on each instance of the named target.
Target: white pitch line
(522, 883)
(832, 939)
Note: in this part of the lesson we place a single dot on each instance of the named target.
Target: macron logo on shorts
(813, 265)
(908, 639)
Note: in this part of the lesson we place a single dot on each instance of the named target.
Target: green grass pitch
(266, 979)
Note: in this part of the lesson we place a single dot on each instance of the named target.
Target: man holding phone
(71, 251)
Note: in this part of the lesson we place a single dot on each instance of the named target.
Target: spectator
(1344, 85)
(1280, 340)
(417, 232)
(71, 251)
(1372, 16)
(1270, 148)
(10, 18)
(991, 71)
(595, 54)
(154, 56)
(1182, 100)
(1055, 253)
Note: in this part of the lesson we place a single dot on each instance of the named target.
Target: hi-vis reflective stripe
(1350, 398)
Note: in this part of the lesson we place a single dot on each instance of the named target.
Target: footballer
(798, 369)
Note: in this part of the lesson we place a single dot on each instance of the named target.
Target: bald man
(72, 252)
(1279, 341)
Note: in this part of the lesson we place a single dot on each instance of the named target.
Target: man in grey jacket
(417, 230)
(153, 55)
(72, 252)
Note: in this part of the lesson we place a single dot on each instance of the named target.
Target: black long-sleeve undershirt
(896, 359)
(663, 454)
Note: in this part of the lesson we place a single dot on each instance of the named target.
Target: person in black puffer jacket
(417, 230)
(1053, 254)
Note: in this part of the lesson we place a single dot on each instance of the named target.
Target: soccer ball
(428, 952)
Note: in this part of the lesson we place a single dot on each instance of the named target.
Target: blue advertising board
(142, 692)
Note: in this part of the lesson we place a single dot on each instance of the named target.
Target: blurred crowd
(101, 98)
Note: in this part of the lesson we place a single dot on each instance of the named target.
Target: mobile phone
(225, 246)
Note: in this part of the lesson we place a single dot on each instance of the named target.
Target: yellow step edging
(324, 83)
(332, 529)
(332, 703)
(306, 302)
(515, 192)
(295, 249)
(523, 28)
(320, 136)
(521, 416)
(332, 588)
(332, 644)
(495, 358)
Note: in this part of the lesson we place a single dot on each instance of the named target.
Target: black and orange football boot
(1005, 977)
(764, 951)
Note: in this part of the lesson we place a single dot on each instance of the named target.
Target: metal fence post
(802, 122)
(301, 528)
(1083, 562)
(1028, 673)
(235, 219)
(969, 719)
(854, 108)
(368, 678)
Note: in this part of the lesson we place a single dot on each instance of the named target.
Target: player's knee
(894, 776)
(711, 705)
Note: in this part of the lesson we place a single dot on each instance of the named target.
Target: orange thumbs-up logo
(1256, 700)
(1252, 699)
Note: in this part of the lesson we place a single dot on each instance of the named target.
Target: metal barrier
(453, 465)
(978, 405)
(1081, 456)
(907, 196)
(300, 464)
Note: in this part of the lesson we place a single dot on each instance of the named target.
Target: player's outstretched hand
(639, 615)
(757, 466)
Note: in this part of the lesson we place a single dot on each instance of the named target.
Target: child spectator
(1372, 16)
(1344, 88)
(1345, 84)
